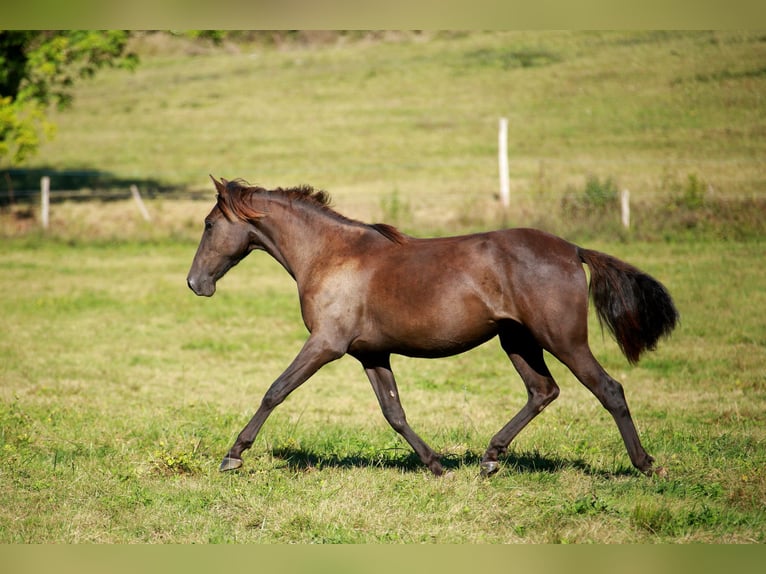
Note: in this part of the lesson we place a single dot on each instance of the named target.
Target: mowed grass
(121, 391)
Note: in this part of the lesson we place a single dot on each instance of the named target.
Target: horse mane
(237, 203)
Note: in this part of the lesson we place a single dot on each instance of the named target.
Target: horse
(369, 291)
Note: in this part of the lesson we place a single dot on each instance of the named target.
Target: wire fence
(25, 187)
(544, 186)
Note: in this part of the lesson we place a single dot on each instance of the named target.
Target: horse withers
(369, 291)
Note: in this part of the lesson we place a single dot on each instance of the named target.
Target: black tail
(636, 308)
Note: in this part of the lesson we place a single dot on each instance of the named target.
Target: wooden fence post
(625, 207)
(139, 202)
(45, 194)
(502, 157)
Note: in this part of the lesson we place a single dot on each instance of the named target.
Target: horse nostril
(190, 283)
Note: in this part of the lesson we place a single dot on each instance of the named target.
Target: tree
(38, 69)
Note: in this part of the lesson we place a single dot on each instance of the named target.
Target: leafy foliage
(20, 126)
(39, 68)
(596, 195)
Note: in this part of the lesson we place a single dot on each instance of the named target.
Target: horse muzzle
(204, 288)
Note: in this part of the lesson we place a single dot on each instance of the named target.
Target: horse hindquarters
(552, 302)
(638, 310)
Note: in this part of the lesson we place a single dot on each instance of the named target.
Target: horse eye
(208, 225)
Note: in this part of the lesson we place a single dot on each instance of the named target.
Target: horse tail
(636, 308)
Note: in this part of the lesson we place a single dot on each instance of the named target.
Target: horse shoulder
(335, 291)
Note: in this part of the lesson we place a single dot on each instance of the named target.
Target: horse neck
(301, 237)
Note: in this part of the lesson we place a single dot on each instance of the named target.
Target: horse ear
(220, 186)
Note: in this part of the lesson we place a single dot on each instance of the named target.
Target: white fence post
(45, 192)
(139, 202)
(502, 157)
(625, 207)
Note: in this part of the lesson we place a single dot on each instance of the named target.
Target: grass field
(120, 390)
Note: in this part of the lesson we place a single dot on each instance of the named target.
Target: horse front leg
(378, 370)
(315, 353)
(527, 357)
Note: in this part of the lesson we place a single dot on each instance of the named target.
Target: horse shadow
(299, 459)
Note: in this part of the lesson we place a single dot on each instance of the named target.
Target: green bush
(596, 196)
(688, 195)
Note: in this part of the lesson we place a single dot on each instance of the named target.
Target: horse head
(225, 241)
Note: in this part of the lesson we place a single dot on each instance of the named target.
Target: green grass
(121, 392)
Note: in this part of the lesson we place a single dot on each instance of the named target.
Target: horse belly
(428, 329)
(435, 298)
(435, 347)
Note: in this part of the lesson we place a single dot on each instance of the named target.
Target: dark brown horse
(370, 291)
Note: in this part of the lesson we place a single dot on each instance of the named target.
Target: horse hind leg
(527, 357)
(610, 394)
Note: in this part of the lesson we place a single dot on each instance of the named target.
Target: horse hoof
(230, 464)
(489, 467)
(657, 471)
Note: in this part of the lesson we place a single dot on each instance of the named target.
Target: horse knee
(542, 396)
(271, 400)
(552, 395)
(395, 416)
(397, 421)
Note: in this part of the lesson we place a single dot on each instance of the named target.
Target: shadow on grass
(302, 460)
(22, 186)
